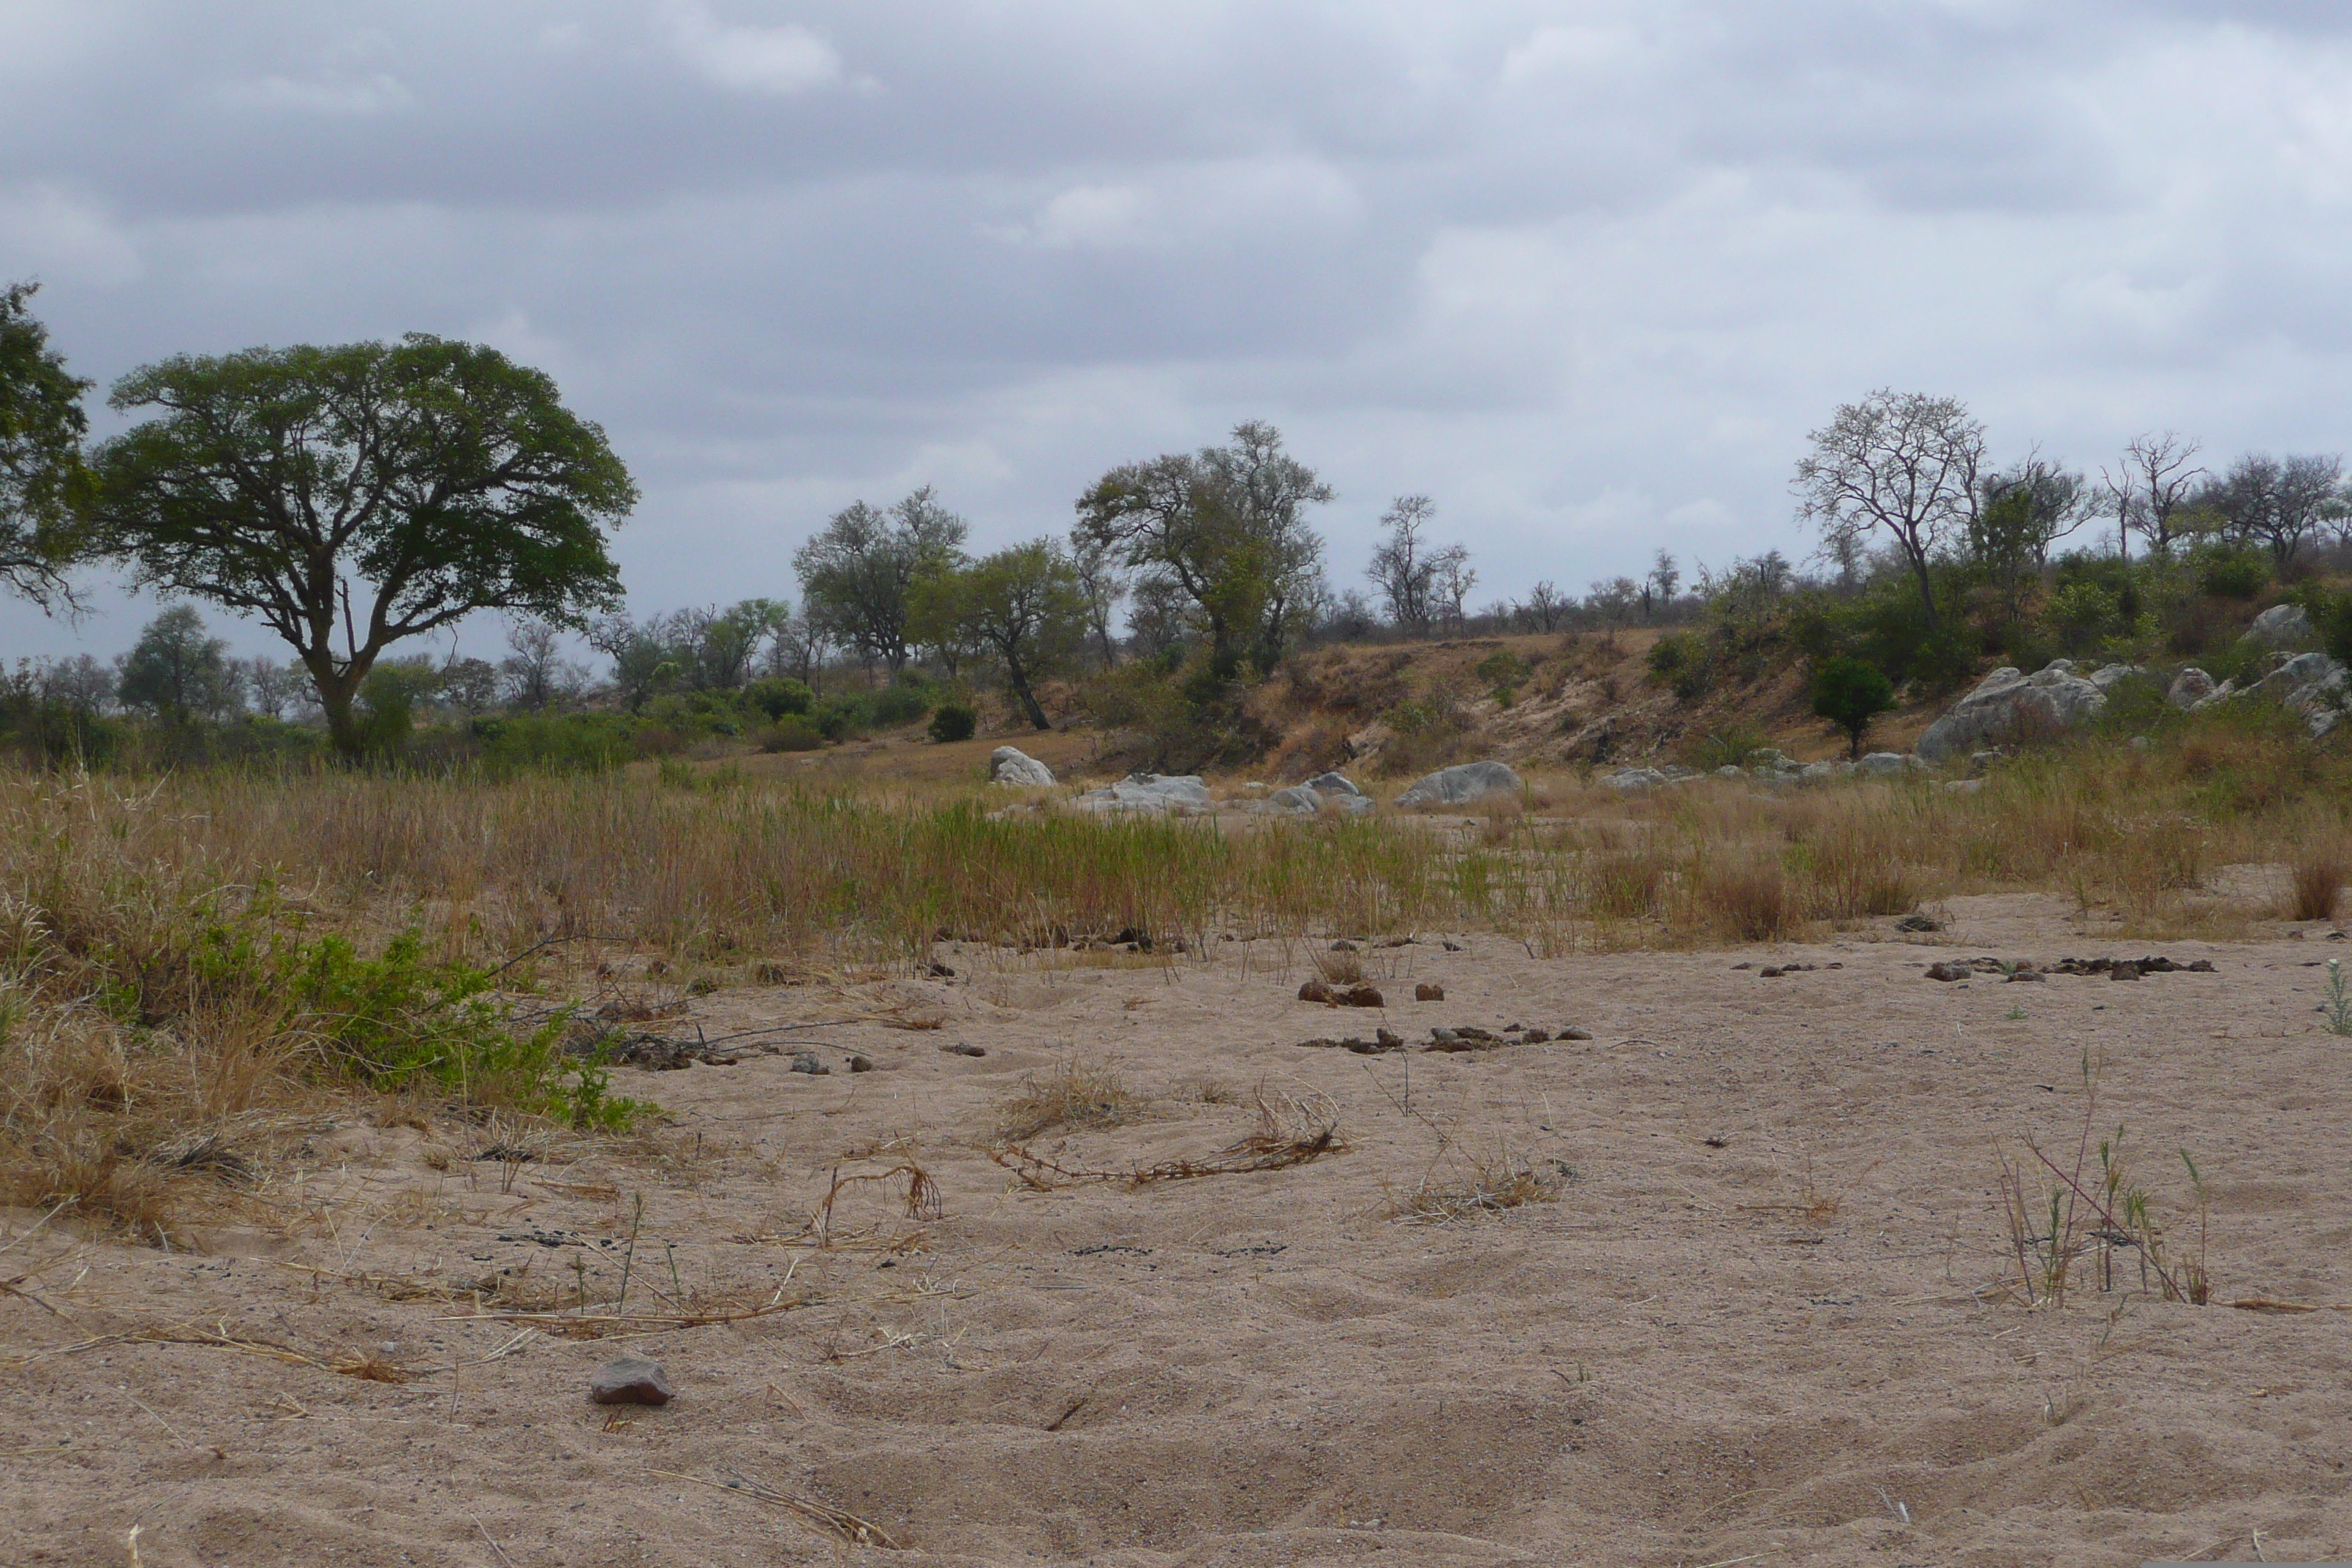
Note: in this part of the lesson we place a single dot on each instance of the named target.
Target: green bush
(389, 1021)
(1683, 661)
(896, 705)
(1849, 693)
(792, 734)
(954, 722)
(552, 744)
(2228, 573)
(777, 697)
(1729, 747)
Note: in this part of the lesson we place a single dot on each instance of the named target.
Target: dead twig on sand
(1300, 1133)
(603, 1325)
(825, 1516)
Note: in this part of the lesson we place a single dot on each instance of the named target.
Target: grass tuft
(1079, 1092)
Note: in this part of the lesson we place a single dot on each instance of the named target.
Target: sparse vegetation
(1077, 1093)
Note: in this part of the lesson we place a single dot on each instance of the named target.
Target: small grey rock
(1574, 1033)
(805, 1061)
(1919, 920)
(631, 1380)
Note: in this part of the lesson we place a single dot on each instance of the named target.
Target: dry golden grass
(2317, 879)
(1076, 1093)
(138, 1083)
(1489, 1188)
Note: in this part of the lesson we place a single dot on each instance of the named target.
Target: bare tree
(1664, 577)
(1544, 608)
(535, 674)
(276, 689)
(1104, 580)
(81, 683)
(1451, 580)
(1905, 462)
(2151, 485)
(1612, 601)
(1401, 568)
(797, 647)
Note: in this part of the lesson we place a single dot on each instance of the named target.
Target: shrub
(1502, 670)
(2227, 573)
(552, 744)
(775, 698)
(1729, 747)
(1682, 661)
(792, 734)
(1849, 693)
(897, 705)
(954, 722)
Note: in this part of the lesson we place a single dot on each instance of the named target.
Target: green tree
(1849, 693)
(1026, 605)
(1225, 528)
(370, 492)
(178, 671)
(42, 474)
(856, 572)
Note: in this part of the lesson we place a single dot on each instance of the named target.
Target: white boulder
(2007, 704)
(1462, 785)
(1332, 783)
(2107, 678)
(2190, 688)
(1885, 764)
(2310, 684)
(1149, 794)
(2281, 625)
(1297, 801)
(1632, 781)
(1010, 765)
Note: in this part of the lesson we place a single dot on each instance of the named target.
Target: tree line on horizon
(353, 499)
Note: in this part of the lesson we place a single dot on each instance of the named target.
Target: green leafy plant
(2339, 1002)
(1849, 693)
(954, 721)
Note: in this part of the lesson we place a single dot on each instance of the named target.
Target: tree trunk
(337, 691)
(1927, 588)
(1018, 679)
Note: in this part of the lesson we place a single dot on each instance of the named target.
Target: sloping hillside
(1561, 699)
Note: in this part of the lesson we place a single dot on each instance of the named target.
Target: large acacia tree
(352, 497)
(41, 471)
(1224, 529)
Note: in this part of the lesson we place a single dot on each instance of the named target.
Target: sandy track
(1674, 1362)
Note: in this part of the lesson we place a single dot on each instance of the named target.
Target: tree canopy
(355, 496)
(42, 475)
(177, 671)
(1904, 462)
(858, 571)
(1224, 530)
(1024, 605)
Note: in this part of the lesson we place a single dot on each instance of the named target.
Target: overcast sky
(1584, 273)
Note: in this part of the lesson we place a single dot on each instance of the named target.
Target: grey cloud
(1586, 272)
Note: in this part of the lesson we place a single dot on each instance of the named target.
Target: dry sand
(1675, 1363)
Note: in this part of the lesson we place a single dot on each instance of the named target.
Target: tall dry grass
(148, 928)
